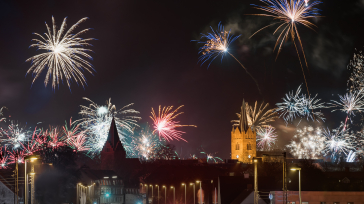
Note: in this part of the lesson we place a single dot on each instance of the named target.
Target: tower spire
(113, 136)
(243, 119)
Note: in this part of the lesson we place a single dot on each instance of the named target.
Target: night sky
(144, 54)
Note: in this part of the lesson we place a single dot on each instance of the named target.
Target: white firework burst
(65, 56)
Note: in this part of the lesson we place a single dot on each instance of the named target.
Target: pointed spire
(243, 120)
(113, 136)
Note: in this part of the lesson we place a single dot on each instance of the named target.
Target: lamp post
(194, 196)
(200, 191)
(255, 181)
(185, 191)
(299, 181)
(165, 194)
(146, 192)
(32, 158)
(152, 192)
(174, 195)
(158, 193)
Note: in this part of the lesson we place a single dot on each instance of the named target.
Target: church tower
(113, 151)
(243, 139)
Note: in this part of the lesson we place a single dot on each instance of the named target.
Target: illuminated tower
(243, 140)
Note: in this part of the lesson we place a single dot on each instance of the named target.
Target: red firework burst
(165, 124)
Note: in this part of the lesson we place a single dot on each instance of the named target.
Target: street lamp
(165, 194)
(158, 193)
(174, 195)
(185, 191)
(32, 158)
(194, 197)
(299, 180)
(152, 192)
(255, 181)
(200, 191)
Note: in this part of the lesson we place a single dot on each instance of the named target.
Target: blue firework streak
(217, 44)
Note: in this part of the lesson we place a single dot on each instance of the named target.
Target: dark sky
(144, 55)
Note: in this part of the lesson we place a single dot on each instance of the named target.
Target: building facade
(243, 140)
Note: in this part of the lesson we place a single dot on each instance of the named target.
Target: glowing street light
(165, 194)
(185, 191)
(299, 180)
(194, 196)
(152, 192)
(174, 195)
(32, 158)
(158, 193)
(200, 191)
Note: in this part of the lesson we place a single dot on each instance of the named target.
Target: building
(319, 197)
(243, 140)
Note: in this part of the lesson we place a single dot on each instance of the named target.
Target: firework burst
(146, 145)
(308, 143)
(350, 103)
(266, 138)
(217, 44)
(166, 125)
(97, 120)
(290, 13)
(357, 75)
(211, 157)
(257, 118)
(298, 105)
(14, 135)
(339, 142)
(64, 57)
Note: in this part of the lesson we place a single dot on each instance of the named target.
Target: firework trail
(97, 120)
(257, 118)
(64, 57)
(338, 142)
(296, 105)
(193, 156)
(290, 13)
(34, 143)
(16, 155)
(166, 125)
(266, 138)
(217, 44)
(1, 113)
(307, 143)
(350, 103)
(14, 135)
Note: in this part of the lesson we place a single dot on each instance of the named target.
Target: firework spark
(289, 13)
(166, 125)
(351, 156)
(65, 56)
(266, 138)
(3, 158)
(97, 120)
(217, 44)
(257, 118)
(308, 107)
(308, 143)
(16, 156)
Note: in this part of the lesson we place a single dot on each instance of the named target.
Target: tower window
(249, 147)
(237, 147)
